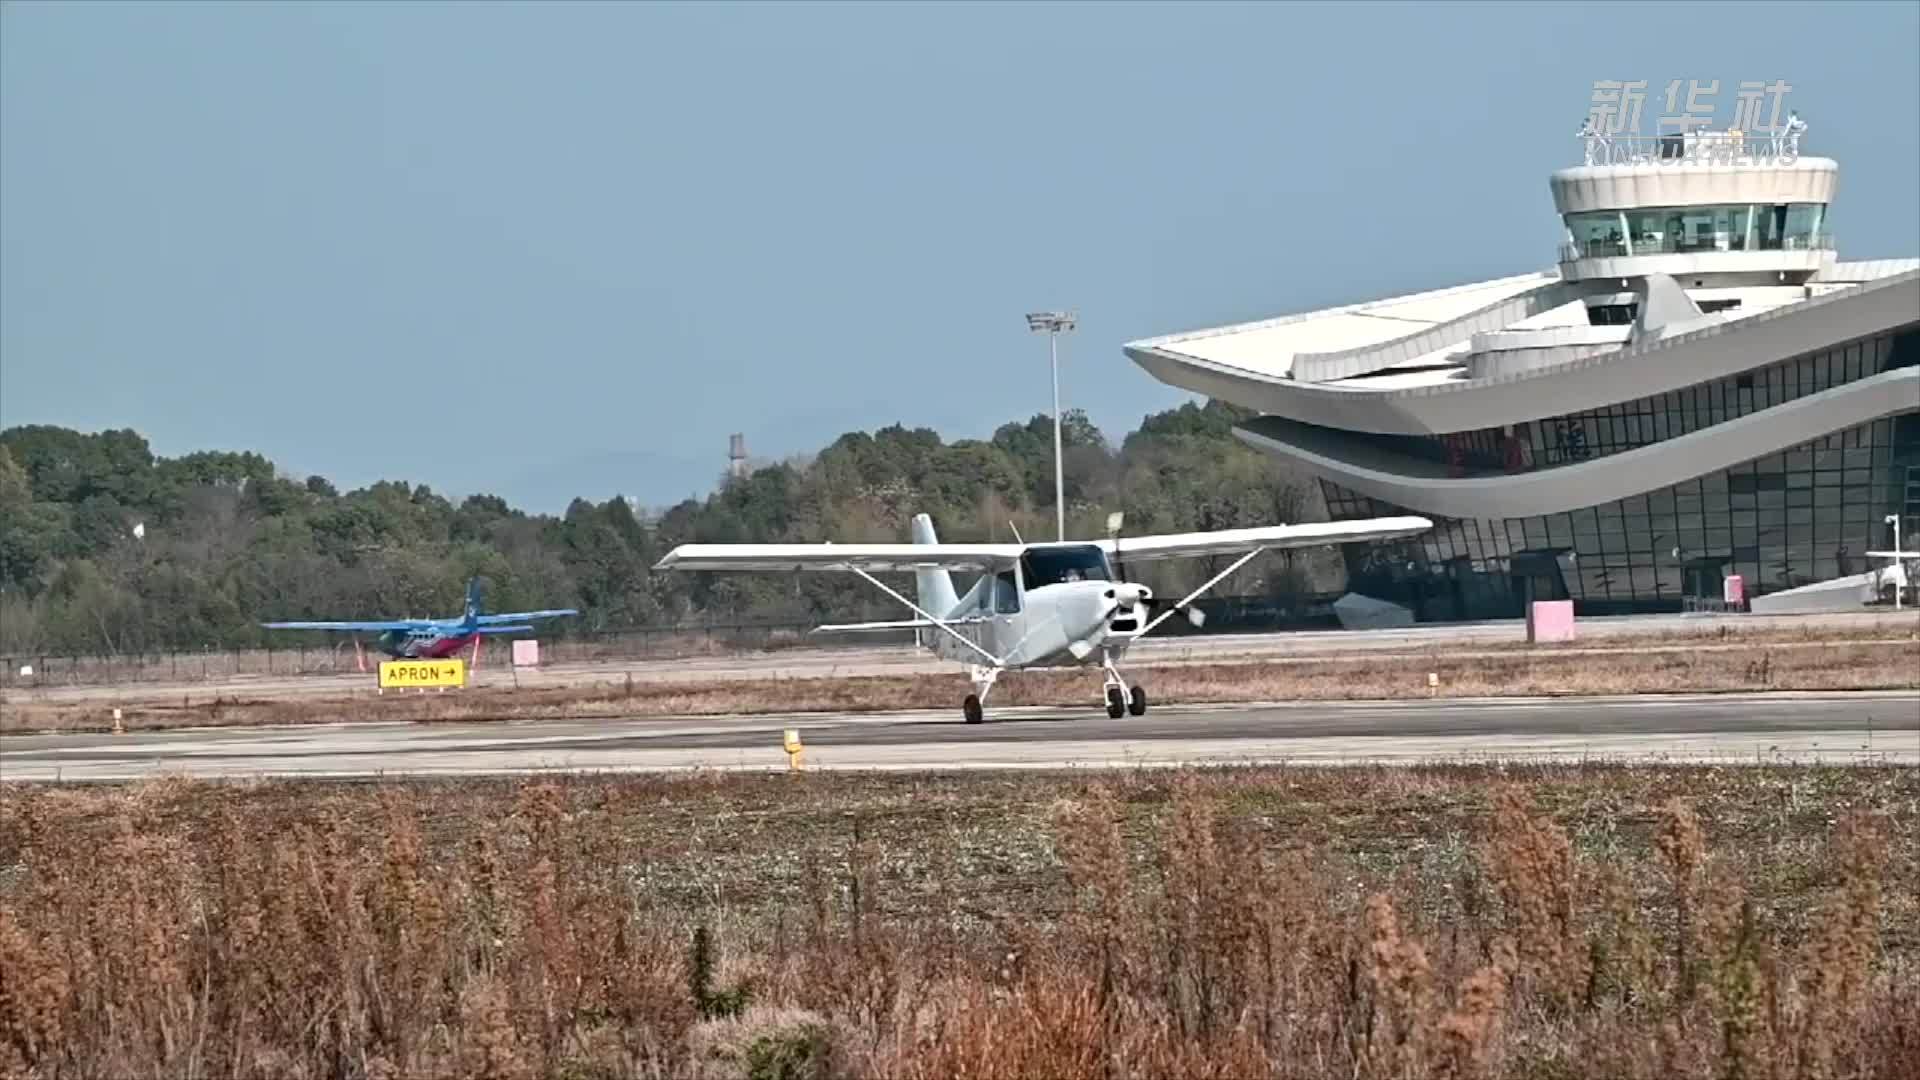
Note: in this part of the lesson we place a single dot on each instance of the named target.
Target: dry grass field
(1711, 665)
(1565, 921)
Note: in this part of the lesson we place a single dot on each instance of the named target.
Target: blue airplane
(433, 639)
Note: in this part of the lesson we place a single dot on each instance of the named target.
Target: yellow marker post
(422, 673)
(793, 749)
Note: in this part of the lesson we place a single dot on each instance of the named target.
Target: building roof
(1433, 391)
(1268, 347)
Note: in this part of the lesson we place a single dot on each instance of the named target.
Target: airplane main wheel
(970, 708)
(1137, 704)
(1116, 705)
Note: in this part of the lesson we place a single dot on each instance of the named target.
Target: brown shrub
(1837, 961)
(1531, 863)
(1466, 1033)
(1273, 922)
(1683, 851)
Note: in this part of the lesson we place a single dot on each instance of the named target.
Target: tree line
(107, 548)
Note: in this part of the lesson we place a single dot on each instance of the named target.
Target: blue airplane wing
(392, 624)
(522, 616)
(503, 629)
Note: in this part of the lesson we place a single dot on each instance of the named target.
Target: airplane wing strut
(1197, 593)
(925, 614)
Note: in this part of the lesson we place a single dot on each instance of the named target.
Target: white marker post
(1894, 520)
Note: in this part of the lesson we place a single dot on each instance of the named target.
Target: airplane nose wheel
(1121, 698)
(973, 708)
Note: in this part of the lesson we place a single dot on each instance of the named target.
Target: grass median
(1653, 669)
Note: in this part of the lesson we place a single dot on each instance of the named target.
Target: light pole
(1053, 322)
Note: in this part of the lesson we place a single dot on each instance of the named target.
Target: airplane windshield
(1053, 565)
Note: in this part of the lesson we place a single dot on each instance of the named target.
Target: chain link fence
(210, 664)
(33, 669)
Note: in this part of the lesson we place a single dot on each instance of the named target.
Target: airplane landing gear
(1121, 698)
(974, 707)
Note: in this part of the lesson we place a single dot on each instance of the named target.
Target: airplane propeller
(1121, 595)
(1115, 521)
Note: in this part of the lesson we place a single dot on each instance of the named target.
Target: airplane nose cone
(1087, 615)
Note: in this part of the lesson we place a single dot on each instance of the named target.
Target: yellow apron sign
(405, 673)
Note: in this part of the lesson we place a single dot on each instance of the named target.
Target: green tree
(31, 532)
(228, 541)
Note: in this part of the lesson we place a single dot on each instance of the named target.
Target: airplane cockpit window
(1006, 594)
(1054, 565)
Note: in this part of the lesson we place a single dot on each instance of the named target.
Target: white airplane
(1035, 605)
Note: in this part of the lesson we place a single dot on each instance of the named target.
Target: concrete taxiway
(1835, 728)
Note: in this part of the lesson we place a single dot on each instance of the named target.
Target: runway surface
(1835, 728)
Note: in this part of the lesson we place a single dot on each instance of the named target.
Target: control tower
(1697, 388)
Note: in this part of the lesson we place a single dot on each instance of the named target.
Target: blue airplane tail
(473, 601)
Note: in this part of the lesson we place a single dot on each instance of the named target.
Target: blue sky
(559, 250)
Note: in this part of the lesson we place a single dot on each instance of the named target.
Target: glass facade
(1658, 230)
(1596, 433)
(1806, 514)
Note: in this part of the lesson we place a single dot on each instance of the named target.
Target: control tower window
(1803, 223)
(1662, 230)
(1597, 236)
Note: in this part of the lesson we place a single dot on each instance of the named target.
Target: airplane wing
(1248, 544)
(1231, 541)
(391, 624)
(869, 557)
(504, 629)
(522, 616)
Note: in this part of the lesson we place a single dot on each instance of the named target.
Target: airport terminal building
(1700, 388)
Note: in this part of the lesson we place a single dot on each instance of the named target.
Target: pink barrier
(1736, 591)
(1550, 620)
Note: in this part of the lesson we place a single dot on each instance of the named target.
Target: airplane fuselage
(1041, 627)
(424, 644)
